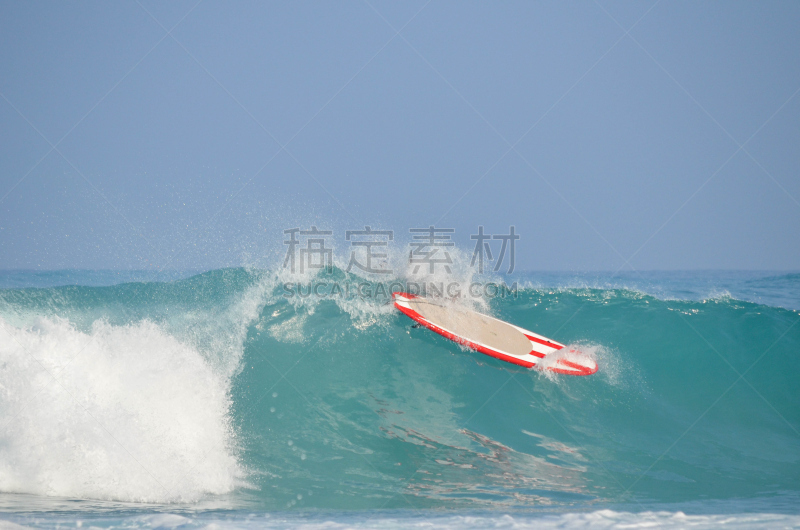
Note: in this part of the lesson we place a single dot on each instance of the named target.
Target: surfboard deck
(492, 337)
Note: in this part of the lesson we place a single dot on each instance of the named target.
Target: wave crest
(119, 412)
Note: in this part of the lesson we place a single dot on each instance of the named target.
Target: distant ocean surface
(188, 399)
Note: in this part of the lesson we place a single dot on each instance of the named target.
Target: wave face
(219, 386)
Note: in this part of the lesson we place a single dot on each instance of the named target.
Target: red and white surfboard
(494, 337)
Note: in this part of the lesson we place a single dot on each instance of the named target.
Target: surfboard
(493, 337)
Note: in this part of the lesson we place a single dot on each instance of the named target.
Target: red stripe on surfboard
(578, 369)
(544, 342)
(455, 338)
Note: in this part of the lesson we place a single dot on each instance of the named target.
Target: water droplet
(272, 409)
(303, 456)
(291, 443)
(299, 497)
(274, 394)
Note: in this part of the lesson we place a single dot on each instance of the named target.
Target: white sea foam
(290, 330)
(597, 519)
(115, 412)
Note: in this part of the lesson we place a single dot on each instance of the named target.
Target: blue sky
(646, 135)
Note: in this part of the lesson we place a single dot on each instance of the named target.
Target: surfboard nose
(577, 363)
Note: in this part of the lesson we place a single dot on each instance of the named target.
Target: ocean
(223, 398)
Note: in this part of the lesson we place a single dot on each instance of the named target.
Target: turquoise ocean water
(187, 399)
